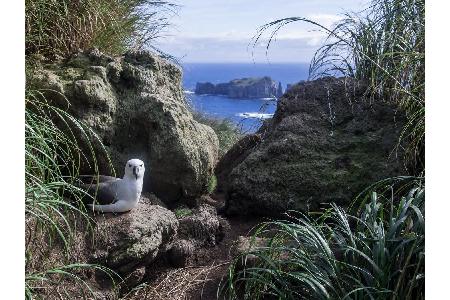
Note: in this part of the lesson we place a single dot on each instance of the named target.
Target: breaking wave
(254, 115)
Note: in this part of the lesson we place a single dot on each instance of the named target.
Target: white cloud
(212, 49)
(221, 31)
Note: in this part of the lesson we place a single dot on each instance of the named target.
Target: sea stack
(259, 87)
(279, 90)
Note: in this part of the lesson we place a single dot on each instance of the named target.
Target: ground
(202, 277)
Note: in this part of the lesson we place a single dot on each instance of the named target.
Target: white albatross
(117, 194)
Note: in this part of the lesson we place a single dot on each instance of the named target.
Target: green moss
(182, 212)
(212, 184)
(72, 74)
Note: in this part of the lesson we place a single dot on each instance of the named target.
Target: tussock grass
(58, 28)
(376, 254)
(52, 162)
(384, 45)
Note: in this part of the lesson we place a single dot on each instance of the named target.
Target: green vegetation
(212, 184)
(249, 81)
(59, 28)
(377, 253)
(226, 131)
(384, 46)
(48, 149)
(52, 161)
(182, 212)
(53, 154)
(52, 276)
(375, 250)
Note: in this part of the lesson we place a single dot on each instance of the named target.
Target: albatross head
(134, 169)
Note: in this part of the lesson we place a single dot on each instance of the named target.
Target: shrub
(376, 254)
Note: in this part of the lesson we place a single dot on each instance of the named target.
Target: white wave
(254, 115)
(189, 92)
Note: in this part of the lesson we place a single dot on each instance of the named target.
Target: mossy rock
(326, 143)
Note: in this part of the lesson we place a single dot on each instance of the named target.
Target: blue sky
(220, 30)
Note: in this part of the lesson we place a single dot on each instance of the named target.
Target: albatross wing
(104, 190)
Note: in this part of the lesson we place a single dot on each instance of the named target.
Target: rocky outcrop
(136, 106)
(131, 241)
(203, 228)
(263, 87)
(325, 143)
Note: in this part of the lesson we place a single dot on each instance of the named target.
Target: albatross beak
(135, 172)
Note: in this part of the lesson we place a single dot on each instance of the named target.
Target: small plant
(182, 212)
(212, 184)
(376, 254)
(227, 133)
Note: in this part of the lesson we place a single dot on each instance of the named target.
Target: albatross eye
(141, 165)
(129, 165)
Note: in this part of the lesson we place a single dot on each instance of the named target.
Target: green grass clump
(384, 45)
(52, 162)
(377, 253)
(61, 27)
(227, 133)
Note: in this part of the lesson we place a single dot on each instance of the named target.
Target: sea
(247, 114)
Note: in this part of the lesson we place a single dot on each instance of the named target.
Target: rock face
(130, 241)
(263, 87)
(325, 144)
(136, 106)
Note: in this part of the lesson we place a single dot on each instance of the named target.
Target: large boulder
(131, 241)
(325, 143)
(200, 229)
(136, 106)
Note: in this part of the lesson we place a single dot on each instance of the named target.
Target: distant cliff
(262, 87)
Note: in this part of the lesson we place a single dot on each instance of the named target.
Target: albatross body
(118, 194)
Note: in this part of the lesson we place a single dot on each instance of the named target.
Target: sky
(221, 30)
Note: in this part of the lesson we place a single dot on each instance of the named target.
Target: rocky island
(255, 87)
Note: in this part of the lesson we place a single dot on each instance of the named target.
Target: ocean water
(248, 114)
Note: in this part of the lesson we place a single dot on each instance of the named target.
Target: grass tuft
(378, 253)
(52, 161)
(59, 28)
